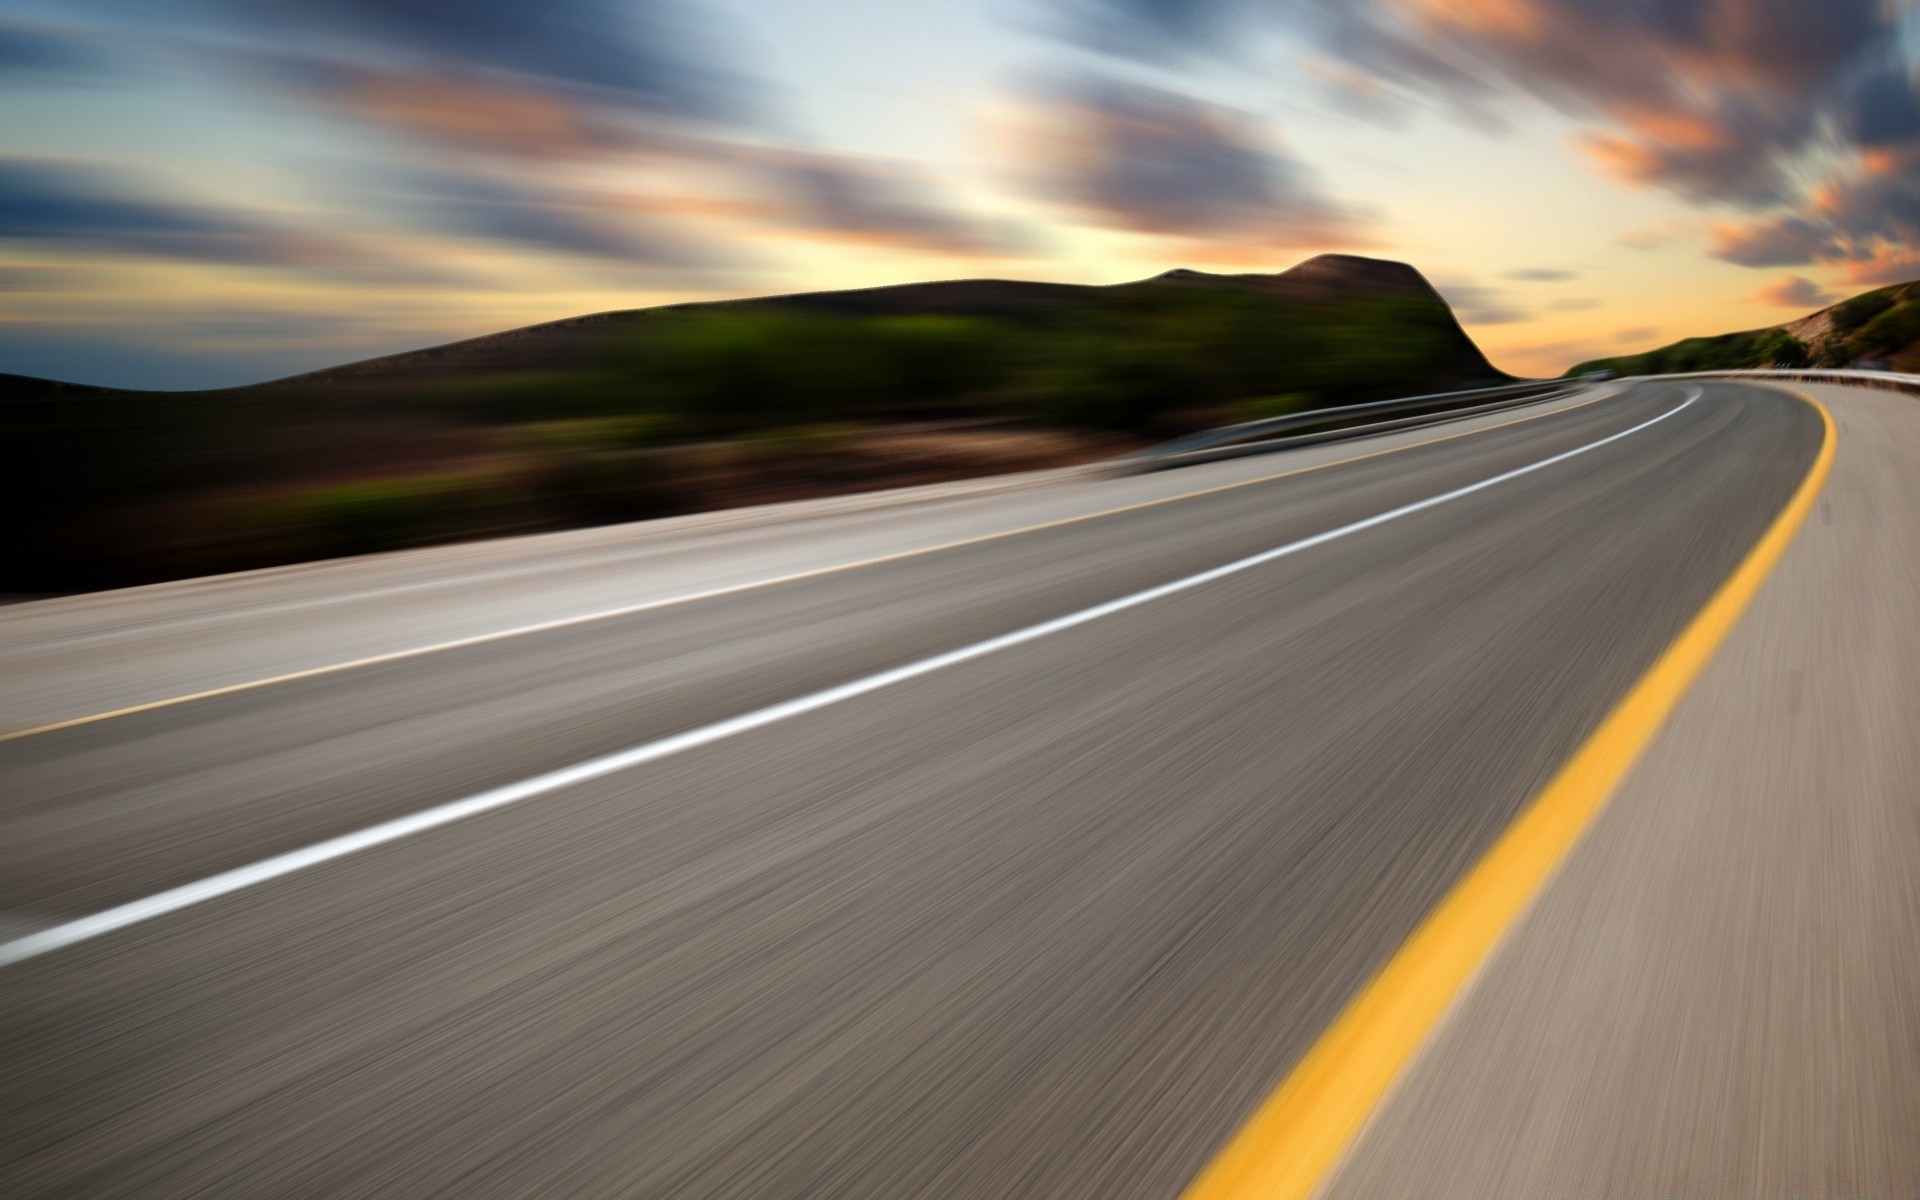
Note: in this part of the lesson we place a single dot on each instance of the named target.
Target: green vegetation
(1850, 315)
(1891, 330)
(1135, 365)
(1778, 348)
(360, 518)
(1727, 352)
(587, 435)
(1881, 324)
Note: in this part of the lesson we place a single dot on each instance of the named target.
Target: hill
(1330, 280)
(621, 415)
(1880, 328)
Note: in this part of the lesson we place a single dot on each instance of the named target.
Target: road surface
(1018, 841)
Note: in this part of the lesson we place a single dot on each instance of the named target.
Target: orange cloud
(1885, 160)
(1619, 158)
(1885, 264)
(1794, 291)
(483, 116)
(1673, 128)
(1141, 159)
(1515, 20)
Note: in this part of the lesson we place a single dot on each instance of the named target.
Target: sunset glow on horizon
(233, 190)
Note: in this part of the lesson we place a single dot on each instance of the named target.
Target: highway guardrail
(1335, 423)
(1893, 380)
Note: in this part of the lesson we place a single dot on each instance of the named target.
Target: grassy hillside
(632, 414)
(1881, 327)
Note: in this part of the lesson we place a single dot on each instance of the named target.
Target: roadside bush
(528, 396)
(1777, 347)
(1850, 315)
(933, 359)
(1837, 353)
(1366, 347)
(1895, 329)
(731, 372)
(1114, 384)
(587, 435)
(1132, 364)
(600, 487)
(391, 514)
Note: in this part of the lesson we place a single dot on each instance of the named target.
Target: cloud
(463, 115)
(1661, 233)
(1804, 115)
(1862, 220)
(15, 278)
(1880, 109)
(837, 197)
(1574, 304)
(649, 56)
(1724, 102)
(1138, 158)
(1795, 291)
(1780, 241)
(34, 51)
(563, 126)
(1877, 203)
(1547, 358)
(1713, 99)
(445, 201)
(1150, 30)
(115, 214)
(1726, 156)
(1887, 264)
(62, 203)
(1358, 94)
(1639, 333)
(1477, 304)
(1541, 274)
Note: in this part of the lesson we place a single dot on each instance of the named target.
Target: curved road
(1046, 915)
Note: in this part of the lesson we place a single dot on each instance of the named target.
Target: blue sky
(202, 192)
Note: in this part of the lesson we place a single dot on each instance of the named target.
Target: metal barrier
(1884, 379)
(1350, 420)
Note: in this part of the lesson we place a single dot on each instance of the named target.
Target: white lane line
(225, 883)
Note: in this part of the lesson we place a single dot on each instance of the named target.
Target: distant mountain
(15, 386)
(1880, 328)
(620, 415)
(1329, 279)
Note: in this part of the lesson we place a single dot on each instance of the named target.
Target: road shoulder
(1714, 996)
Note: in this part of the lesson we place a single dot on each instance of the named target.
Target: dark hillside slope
(1328, 280)
(630, 414)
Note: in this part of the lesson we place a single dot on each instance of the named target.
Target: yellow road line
(1290, 1146)
(714, 593)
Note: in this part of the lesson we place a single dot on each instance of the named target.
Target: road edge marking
(608, 614)
(1291, 1145)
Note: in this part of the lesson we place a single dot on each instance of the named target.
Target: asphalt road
(1717, 994)
(1047, 921)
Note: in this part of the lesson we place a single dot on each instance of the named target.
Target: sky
(203, 193)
